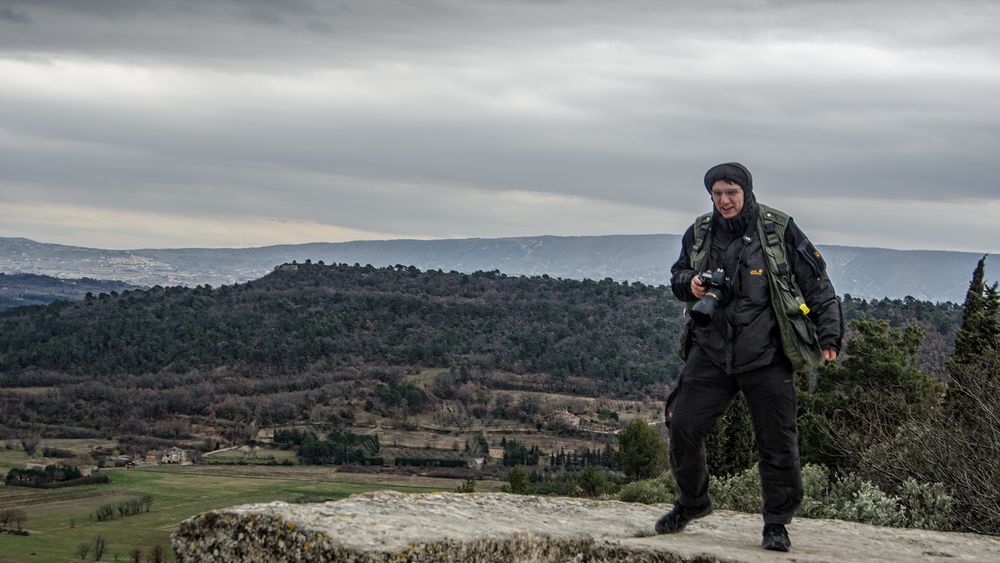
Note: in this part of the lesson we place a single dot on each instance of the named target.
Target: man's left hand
(829, 354)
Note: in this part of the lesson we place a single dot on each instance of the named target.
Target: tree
(136, 554)
(30, 443)
(992, 310)
(959, 450)
(477, 446)
(592, 481)
(979, 318)
(105, 512)
(18, 517)
(157, 555)
(517, 480)
(878, 380)
(729, 449)
(82, 550)
(641, 453)
(99, 545)
(978, 334)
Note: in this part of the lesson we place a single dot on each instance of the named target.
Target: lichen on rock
(389, 526)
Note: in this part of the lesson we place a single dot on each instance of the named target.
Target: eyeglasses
(731, 193)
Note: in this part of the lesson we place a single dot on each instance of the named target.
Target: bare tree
(82, 550)
(147, 501)
(961, 452)
(30, 443)
(157, 555)
(99, 545)
(136, 554)
(18, 517)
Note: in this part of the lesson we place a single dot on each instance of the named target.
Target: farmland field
(61, 519)
(10, 459)
(251, 455)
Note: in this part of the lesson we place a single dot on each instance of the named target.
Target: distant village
(171, 456)
(108, 459)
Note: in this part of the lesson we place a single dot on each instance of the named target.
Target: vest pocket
(805, 328)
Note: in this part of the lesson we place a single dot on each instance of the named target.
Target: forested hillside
(270, 350)
(18, 290)
(616, 333)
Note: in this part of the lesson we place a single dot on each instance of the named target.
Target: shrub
(592, 482)
(914, 505)
(815, 482)
(14, 517)
(104, 512)
(650, 491)
(961, 451)
(98, 479)
(641, 453)
(517, 481)
(928, 505)
(738, 492)
(431, 462)
(41, 477)
(308, 499)
(857, 500)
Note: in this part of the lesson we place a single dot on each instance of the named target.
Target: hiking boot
(775, 538)
(675, 520)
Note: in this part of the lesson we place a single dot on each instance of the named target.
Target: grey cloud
(11, 15)
(501, 153)
(296, 32)
(626, 103)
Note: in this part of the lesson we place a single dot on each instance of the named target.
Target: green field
(251, 455)
(10, 459)
(59, 519)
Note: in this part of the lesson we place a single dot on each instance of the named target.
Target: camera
(716, 283)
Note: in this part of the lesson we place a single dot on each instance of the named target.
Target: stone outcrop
(389, 526)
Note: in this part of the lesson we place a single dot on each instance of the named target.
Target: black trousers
(703, 395)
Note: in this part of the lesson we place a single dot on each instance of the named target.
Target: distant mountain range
(861, 272)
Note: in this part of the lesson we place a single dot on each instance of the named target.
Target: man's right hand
(697, 289)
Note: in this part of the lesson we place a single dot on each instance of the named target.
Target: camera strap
(774, 240)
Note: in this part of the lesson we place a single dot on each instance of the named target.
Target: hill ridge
(874, 273)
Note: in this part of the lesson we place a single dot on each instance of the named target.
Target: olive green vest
(797, 330)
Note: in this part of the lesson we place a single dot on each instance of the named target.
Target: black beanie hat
(731, 172)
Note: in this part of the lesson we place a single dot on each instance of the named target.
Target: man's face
(728, 198)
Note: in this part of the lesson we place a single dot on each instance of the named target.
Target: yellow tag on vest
(757, 272)
(804, 308)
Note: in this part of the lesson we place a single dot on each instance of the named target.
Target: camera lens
(703, 310)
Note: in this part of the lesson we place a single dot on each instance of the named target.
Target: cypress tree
(979, 333)
(973, 336)
(729, 449)
(991, 323)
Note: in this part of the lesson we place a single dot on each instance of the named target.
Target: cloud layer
(874, 123)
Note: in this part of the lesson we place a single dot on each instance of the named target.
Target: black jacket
(743, 334)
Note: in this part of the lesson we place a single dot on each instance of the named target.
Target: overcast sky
(156, 123)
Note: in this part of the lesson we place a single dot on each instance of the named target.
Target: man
(775, 312)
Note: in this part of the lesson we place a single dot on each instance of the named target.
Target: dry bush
(960, 452)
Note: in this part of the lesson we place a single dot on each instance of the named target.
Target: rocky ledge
(389, 526)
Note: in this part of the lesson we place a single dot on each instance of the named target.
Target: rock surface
(389, 526)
